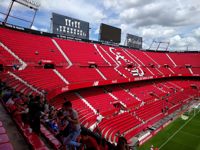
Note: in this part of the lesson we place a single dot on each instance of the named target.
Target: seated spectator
(23, 111)
(45, 118)
(54, 126)
(14, 103)
(50, 118)
(46, 106)
(88, 142)
(52, 114)
(6, 94)
(63, 126)
(11, 105)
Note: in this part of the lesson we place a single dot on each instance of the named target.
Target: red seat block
(27, 133)
(56, 143)
(2, 130)
(45, 131)
(6, 146)
(1, 124)
(35, 141)
(42, 148)
(4, 138)
(50, 137)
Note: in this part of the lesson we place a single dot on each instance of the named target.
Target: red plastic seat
(44, 131)
(42, 148)
(50, 137)
(56, 143)
(6, 146)
(2, 130)
(27, 133)
(4, 138)
(35, 141)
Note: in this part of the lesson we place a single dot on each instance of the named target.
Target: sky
(173, 21)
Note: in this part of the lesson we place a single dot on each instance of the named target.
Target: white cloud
(157, 32)
(184, 43)
(197, 33)
(165, 13)
(4, 4)
(1, 17)
(80, 9)
(171, 20)
(39, 29)
(124, 4)
(34, 28)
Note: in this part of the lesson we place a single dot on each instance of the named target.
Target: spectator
(30, 98)
(6, 94)
(52, 114)
(54, 126)
(75, 128)
(88, 142)
(103, 145)
(23, 111)
(122, 144)
(34, 114)
(11, 105)
(63, 126)
(45, 118)
(46, 106)
(48, 117)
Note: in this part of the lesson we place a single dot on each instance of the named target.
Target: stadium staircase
(5, 143)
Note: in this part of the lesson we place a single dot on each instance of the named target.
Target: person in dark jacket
(34, 114)
(88, 142)
(122, 144)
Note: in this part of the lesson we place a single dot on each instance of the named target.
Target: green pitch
(179, 135)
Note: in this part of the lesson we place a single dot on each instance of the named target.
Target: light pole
(9, 10)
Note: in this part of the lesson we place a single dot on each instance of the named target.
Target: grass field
(179, 135)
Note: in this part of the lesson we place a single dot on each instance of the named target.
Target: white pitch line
(197, 136)
(177, 132)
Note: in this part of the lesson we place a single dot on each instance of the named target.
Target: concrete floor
(13, 133)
